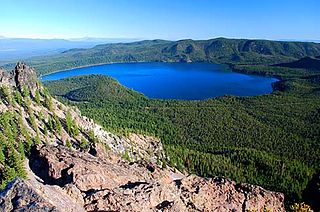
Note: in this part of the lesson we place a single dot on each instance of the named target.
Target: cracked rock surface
(61, 179)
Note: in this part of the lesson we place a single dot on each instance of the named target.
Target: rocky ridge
(81, 167)
(23, 78)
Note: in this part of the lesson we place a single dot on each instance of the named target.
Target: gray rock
(19, 196)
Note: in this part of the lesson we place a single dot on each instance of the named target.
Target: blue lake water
(189, 81)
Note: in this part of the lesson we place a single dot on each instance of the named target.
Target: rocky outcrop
(19, 195)
(34, 195)
(31, 195)
(137, 147)
(56, 165)
(5, 78)
(190, 194)
(97, 184)
(22, 76)
(25, 76)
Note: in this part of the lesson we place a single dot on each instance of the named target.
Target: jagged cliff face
(21, 77)
(72, 164)
(33, 103)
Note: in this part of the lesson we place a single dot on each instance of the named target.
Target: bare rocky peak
(25, 77)
(22, 76)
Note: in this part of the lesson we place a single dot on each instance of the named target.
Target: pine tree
(37, 139)
(48, 102)
(6, 94)
(18, 98)
(21, 149)
(25, 92)
(15, 161)
(37, 97)
(57, 124)
(8, 175)
(72, 128)
(69, 123)
(68, 143)
(91, 136)
(45, 129)
(2, 156)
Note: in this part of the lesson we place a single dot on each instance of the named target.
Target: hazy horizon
(168, 20)
(80, 39)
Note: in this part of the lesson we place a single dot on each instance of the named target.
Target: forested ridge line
(217, 50)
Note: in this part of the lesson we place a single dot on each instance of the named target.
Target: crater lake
(183, 81)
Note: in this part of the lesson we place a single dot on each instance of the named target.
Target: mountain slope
(29, 115)
(305, 63)
(219, 50)
(69, 163)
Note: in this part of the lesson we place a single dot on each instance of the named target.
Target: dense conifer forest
(269, 140)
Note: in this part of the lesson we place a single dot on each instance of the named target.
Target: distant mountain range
(218, 50)
(22, 48)
(302, 40)
(104, 40)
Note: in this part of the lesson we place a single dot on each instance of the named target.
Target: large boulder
(18, 195)
(31, 195)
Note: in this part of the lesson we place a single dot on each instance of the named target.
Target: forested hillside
(219, 50)
(269, 140)
(306, 62)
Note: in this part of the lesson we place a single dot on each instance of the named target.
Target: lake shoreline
(173, 80)
(230, 66)
(86, 66)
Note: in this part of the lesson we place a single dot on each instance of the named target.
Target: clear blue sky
(165, 19)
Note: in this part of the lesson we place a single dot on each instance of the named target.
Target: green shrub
(68, 143)
(84, 144)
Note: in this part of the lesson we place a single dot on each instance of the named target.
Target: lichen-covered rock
(191, 194)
